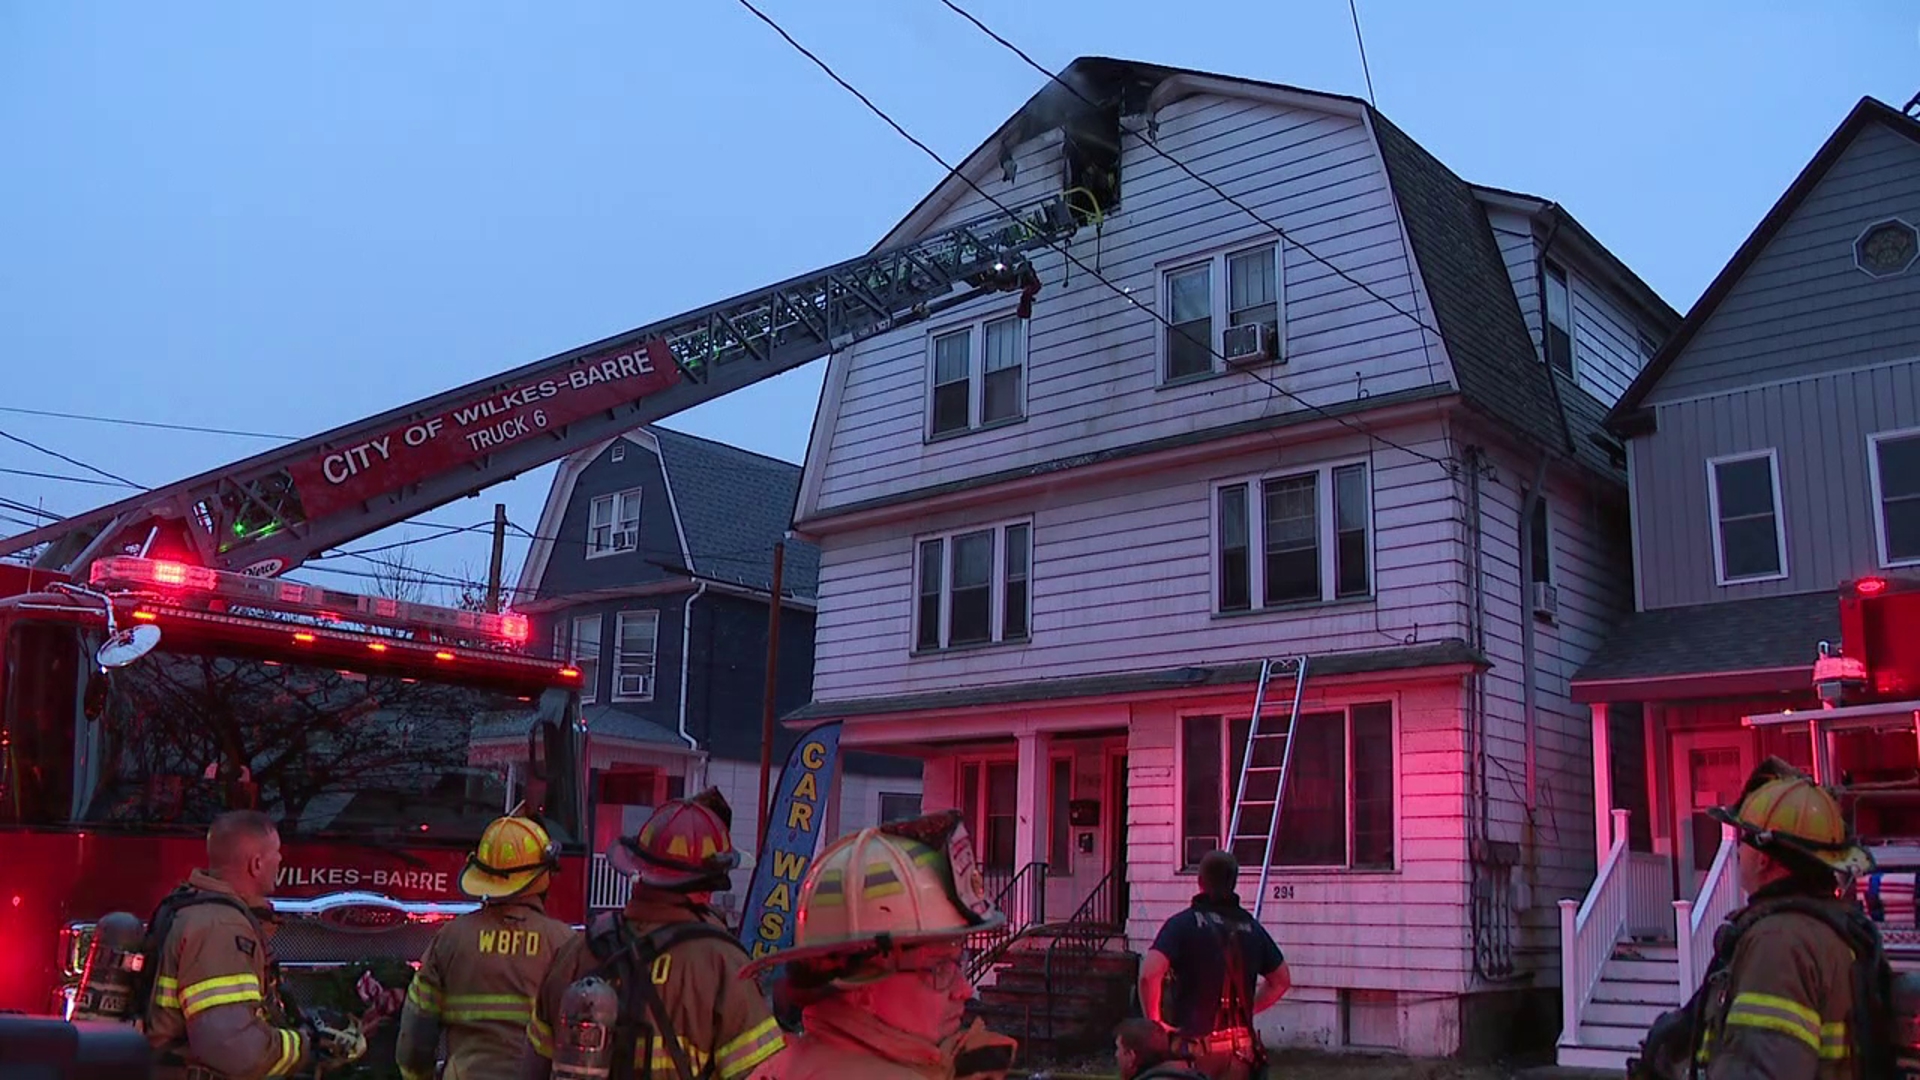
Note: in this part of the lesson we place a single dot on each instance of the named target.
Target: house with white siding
(1054, 550)
(1774, 456)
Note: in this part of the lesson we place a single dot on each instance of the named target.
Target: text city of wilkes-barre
(341, 466)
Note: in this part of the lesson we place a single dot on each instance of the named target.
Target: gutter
(686, 656)
(1529, 693)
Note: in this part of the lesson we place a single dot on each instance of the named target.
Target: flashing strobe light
(304, 638)
(315, 601)
(569, 673)
(1870, 586)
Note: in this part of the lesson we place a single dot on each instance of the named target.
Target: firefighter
(215, 1009)
(1216, 952)
(665, 970)
(1143, 1051)
(1783, 997)
(479, 976)
(876, 964)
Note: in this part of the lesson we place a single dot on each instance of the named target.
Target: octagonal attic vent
(1886, 248)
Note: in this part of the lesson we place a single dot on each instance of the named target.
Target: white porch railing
(1589, 930)
(1696, 920)
(606, 887)
(1649, 894)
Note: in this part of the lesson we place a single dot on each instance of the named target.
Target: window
(899, 805)
(1541, 543)
(1894, 468)
(613, 523)
(989, 794)
(1559, 330)
(577, 641)
(1311, 530)
(633, 655)
(1748, 542)
(1060, 817)
(1338, 809)
(1199, 310)
(978, 376)
(974, 588)
(619, 451)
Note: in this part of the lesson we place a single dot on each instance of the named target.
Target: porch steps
(1058, 1014)
(1639, 982)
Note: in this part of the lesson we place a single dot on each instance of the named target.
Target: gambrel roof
(1497, 368)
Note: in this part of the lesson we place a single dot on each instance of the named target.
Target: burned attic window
(1091, 151)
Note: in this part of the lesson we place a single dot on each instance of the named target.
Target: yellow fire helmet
(880, 889)
(514, 855)
(1782, 808)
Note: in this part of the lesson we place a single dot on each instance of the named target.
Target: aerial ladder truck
(159, 667)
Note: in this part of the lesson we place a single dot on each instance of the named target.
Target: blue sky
(285, 220)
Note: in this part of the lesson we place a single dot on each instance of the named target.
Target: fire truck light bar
(331, 605)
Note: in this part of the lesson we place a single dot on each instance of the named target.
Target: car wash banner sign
(793, 840)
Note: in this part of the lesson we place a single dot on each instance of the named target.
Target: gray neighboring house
(651, 571)
(1774, 454)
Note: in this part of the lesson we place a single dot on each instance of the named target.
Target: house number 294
(1283, 892)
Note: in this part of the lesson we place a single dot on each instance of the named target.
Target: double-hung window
(973, 587)
(1743, 496)
(978, 376)
(613, 523)
(1337, 811)
(1559, 328)
(634, 655)
(576, 641)
(1207, 296)
(1293, 538)
(1893, 462)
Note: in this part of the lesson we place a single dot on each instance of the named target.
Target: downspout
(1528, 692)
(686, 654)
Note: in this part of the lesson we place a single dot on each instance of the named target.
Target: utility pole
(773, 683)
(499, 552)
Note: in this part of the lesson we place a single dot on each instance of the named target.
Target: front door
(1709, 769)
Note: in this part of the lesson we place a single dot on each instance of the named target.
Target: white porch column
(1602, 784)
(1030, 827)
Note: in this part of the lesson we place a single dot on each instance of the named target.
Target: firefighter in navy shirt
(1226, 969)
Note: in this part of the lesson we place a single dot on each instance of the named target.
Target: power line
(64, 478)
(124, 422)
(71, 461)
(1354, 7)
(1343, 421)
(15, 504)
(1183, 167)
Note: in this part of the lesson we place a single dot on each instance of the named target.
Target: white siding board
(1093, 362)
(1122, 580)
(1402, 930)
(1607, 353)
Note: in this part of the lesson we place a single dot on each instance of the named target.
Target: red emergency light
(1870, 586)
(184, 582)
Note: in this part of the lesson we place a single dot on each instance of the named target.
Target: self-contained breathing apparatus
(614, 1008)
(122, 961)
(115, 962)
(1886, 1008)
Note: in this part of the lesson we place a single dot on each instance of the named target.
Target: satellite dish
(128, 645)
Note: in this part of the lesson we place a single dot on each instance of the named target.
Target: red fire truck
(1865, 741)
(157, 669)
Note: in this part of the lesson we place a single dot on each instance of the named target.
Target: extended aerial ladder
(1265, 768)
(271, 512)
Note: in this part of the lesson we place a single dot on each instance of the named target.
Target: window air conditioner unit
(625, 539)
(1546, 600)
(1251, 343)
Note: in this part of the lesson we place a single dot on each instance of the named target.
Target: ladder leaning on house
(1259, 737)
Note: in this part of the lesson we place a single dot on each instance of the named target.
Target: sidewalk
(1308, 1065)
